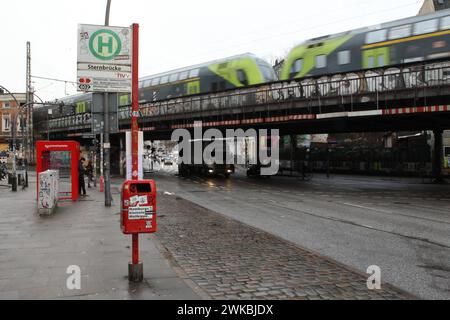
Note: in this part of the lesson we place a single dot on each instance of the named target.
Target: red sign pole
(135, 104)
(136, 270)
(135, 240)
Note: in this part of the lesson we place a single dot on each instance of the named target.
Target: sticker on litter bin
(140, 213)
(143, 200)
(134, 201)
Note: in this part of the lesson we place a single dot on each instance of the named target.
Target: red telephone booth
(63, 156)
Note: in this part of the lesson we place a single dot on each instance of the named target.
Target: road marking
(396, 213)
(368, 208)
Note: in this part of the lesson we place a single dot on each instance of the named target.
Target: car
(168, 161)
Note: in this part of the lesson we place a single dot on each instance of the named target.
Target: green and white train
(229, 73)
(415, 39)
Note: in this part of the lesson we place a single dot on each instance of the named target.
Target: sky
(173, 33)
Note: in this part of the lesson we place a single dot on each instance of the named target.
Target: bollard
(14, 183)
(26, 179)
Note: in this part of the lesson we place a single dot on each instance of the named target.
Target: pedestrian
(90, 173)
(81, 182)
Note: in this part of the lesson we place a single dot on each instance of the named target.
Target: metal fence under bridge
(384, 90)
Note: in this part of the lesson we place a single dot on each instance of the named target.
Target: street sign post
(98, 104)
(104, 66)
(104, 58)
(108, 62)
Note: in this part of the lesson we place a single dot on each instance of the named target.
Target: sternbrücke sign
(104, 58)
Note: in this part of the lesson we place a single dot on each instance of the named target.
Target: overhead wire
(353, 6)
(240, 44)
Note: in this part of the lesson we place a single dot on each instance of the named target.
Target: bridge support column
(258, 147)
(291, 150)
(437, 156)
(122, 155)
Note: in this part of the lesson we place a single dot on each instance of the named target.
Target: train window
(242, 77)
(376, 36)
(222, 86)
(194, 73)
(124, 100)
(297, 67)
(155, 81)
(445, 23)
(321, 61)
(426, 26)
(268, 73)
(344, 57)
(173, 77)
(400, 32)
(164, 79)
(371, 62)
(381, 60)
(184, 75)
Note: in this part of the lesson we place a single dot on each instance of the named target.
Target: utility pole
(29, 112)
(106, 143)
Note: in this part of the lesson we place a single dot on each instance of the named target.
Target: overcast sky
(174, 33)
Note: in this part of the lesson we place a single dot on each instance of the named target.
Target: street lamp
(19, 110)
(13, 133)
(108, 8)
(106, 165)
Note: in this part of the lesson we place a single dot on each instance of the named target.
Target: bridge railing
(338, 85)
(359, 85)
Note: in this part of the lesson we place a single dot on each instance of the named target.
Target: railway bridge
(411, 97)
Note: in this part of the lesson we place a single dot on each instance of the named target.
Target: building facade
(8, 110)
(434, 5)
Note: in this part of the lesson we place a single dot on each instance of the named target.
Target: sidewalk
(35, 252)
(196, 254)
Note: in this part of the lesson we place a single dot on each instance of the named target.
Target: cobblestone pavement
(401, 225)
(231, 260)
